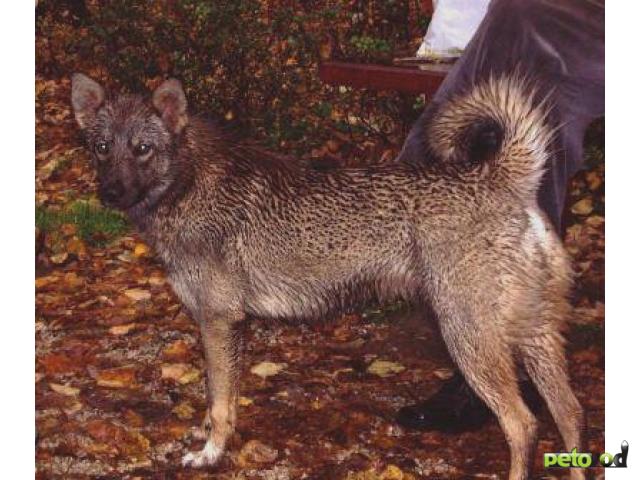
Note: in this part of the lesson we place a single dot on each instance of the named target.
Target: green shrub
(250, 61)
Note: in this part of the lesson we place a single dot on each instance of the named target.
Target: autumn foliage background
(119, 382)
(251, 62)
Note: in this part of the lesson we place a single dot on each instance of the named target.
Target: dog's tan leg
(487, 364)
(221, 346)
(545, 363)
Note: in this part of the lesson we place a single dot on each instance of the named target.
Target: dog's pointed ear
(87, 96)
(171, 103)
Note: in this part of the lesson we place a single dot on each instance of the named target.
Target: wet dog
(241, 237)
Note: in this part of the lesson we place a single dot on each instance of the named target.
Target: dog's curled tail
(496, 130)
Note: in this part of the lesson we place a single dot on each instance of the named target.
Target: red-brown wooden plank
(382, 77)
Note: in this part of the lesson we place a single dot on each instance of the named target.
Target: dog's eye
(142, 149)
(102, 148)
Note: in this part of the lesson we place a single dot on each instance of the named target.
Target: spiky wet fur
(242, 237)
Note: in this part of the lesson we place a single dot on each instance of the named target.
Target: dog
(241, 235)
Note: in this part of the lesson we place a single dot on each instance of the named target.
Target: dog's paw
(206, 457)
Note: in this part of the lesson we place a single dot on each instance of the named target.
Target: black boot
(456, 408)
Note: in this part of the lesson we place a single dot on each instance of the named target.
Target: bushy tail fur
(499, 131)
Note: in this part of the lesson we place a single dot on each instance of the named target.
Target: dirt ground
(119, 370)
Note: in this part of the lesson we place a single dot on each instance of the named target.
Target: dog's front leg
(221, 348)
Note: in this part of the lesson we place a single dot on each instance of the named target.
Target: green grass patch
(94, 223)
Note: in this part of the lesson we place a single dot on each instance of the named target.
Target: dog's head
(132, 139)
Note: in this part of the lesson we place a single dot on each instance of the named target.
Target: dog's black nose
(113, 192)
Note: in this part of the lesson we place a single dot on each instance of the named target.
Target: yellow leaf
(177, 350)
(138, 294)
(64, 389)
(123, 377)
(582, 207)
(156, 279)
(141, 250)
(191, 376)
(392, 472)
(184, 410)
(180, 372)
(122, 329)
(42, 282)
(594, 180)
(267, 369)
(595, 221)
(59, 258)
(74, 408)
(384, 368)
(254, 452)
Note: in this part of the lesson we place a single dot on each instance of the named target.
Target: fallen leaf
(68, 229)
(443, 373)
(42, 282)
(57, 363)
(76, 247)
(245, 401)
(191, 376)
(184, 410)
(391, 472)
(122, 329)
(121, 377)
(177, 430)
(141, 250)
(126, 257)
(178, 350)
(138, 294)
(583, 207)
(59, 258)
(74, 408)
(254, 452)
(180, 372)
(72, 281)
(267, 369)
(337, 372)
(127, 441)
(594, 180)
(64, 389)
(595, 221)
(384, 368)
(133, 418)
(156, 279)
(45, 172)
(333, 146)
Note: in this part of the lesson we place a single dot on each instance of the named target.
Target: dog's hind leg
(486, 362)
(545, 363)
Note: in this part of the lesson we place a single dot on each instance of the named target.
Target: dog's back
(303, 243)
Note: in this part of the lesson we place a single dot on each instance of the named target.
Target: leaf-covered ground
(119, 371)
